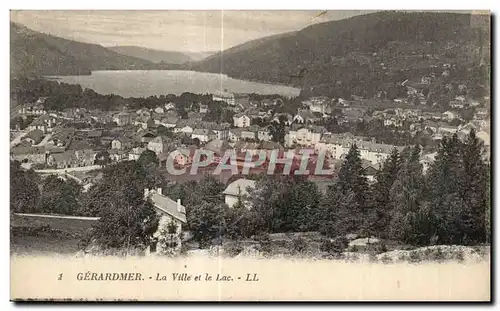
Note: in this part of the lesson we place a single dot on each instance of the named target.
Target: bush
(386, 259)
(299, 245)
(381, 248)
(264, 243)
(438, 255)
(233, 249)
(415, 256)
(460, 256)
(336, 246)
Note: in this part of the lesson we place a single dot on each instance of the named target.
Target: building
(449, 115)
(182, 156)
(319, 104)
(235, 134)
(135, 153)
(264, 134)
(370, 172)
(158, 144)
(238, 191)
(45, 123)
(337, 147)
(32, 110)
(172, 216)
(65, 159)
(305, 136)
(29, 154)
(225, 96)
(34, 137)
(122, 119)
(203, 108)
(147, 137)
(120, 143)
(305, 116)
(241, 120)
(203, 135)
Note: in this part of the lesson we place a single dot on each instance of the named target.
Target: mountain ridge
(34, 53)
(344, 57)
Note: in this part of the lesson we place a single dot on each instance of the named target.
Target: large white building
(337, 147)
(227, 97)
(304, 136)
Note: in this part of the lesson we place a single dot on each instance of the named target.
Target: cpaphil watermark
(296, 162)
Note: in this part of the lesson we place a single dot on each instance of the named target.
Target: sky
(185, 31)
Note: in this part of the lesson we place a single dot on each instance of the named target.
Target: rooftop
(239, 187)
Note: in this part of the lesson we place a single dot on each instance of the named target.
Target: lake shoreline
(154, 82)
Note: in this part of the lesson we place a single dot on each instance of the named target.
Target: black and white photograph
(250, 155)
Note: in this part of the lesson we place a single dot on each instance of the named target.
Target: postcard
(225, 155)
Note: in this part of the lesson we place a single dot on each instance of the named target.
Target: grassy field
(30, 235)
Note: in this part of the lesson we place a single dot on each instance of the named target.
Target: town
(77, 143)
(366, 136)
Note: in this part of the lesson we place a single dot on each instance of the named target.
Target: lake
(143, 83)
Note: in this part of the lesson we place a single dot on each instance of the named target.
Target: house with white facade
(172, 216)
(203, 135)
(304, 135)
(241, 120)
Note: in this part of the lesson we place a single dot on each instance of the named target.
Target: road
(18, 138)
(45, 140)
(69, 169)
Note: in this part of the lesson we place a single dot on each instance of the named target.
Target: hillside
(360, 55)
(155, 56)
(33, 53)
(197, 56)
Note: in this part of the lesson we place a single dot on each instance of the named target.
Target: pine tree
(407, 198)
(473, 186)
(352, 178)
(442, 180)
(340, 213)
(381, 191)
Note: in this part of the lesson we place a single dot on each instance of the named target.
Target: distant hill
(155, 56)
(33, 53)
(359, 55)
(197, 56)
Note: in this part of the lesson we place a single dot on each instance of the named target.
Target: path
(69, 169)
(18, 138)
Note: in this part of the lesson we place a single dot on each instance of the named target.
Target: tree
(473, 187)
(407, 199)
(148, 162)
(265, 198)
(381, 191)
(352, 178)
(298, 208)
(164, 131)
(148, 158)
(277, 132)
(340, 213)
(442, 180)
(24, 192)
(102, 158)
(60, 196)
(127, 220)
(206, 221)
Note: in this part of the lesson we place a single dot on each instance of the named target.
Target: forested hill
(359, 55)
(33, 53)
(155, 56)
